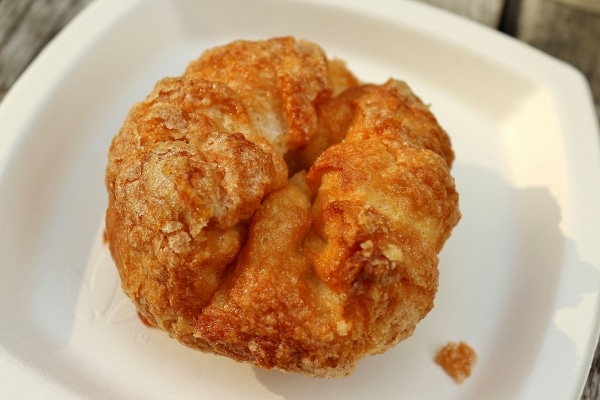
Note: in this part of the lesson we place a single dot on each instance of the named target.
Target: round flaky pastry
(267, 207)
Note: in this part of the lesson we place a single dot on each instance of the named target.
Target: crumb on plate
(457, 359)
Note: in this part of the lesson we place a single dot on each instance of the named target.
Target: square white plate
(519, 277)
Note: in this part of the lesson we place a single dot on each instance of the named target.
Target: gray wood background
(566, 29)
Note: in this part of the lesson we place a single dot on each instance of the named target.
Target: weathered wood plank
(568, 32)
(488, 12)
(26, 26)
(592, 386)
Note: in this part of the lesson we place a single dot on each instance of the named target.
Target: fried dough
(268, 207)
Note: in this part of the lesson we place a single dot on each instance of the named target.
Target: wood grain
(26, 26)
(570, 33)
(488, 12)
(591, 391)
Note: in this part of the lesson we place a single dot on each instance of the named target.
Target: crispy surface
(215, 245)
(457, 359)
(278, 80)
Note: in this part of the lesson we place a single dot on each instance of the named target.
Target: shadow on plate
(502, 271)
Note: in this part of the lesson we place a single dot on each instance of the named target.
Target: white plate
(519, 277)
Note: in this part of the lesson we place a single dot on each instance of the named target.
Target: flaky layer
(218, 247)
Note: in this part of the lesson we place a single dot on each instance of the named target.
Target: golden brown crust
(216, 246)
(457, 359)
(280, 80)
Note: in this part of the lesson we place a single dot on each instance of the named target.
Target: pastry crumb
(457, 359)
(145, 320)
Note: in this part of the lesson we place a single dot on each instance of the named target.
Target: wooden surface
(26, 26)
(488, 12)
(566, 31)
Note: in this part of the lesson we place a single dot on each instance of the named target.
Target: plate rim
(90, 24)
